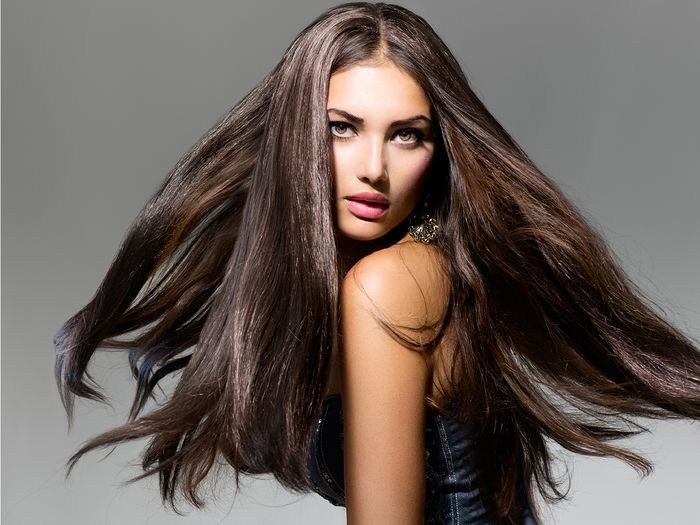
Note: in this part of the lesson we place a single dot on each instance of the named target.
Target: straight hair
(230, 273)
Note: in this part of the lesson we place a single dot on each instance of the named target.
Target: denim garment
(452, 493)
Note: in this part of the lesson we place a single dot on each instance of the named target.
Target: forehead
(377, 90)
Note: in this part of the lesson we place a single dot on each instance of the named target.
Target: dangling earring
(422, 225)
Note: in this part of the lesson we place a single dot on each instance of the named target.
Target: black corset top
(452, 489)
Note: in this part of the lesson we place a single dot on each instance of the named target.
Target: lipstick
(369, 196)
(365, 210)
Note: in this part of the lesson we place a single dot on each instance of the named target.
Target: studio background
(101, 98)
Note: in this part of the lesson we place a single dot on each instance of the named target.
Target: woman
(403, 353)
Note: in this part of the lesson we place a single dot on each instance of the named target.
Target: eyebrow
(403, 122)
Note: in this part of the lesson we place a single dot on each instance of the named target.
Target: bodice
(452, 489)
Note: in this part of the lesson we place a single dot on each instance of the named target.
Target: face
(379, 119)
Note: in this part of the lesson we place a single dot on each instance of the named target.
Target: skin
(377, 155)
(383, 384)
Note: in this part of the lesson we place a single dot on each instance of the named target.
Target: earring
(422, 225)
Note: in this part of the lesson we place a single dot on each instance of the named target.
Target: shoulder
(384, 384)
(407, 282)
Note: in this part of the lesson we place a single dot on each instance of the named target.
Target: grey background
(101, 98)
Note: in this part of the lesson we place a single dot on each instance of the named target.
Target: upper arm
(384, 385)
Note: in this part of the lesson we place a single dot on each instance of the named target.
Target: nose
(373, 168)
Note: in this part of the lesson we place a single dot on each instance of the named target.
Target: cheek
(341, 160)
(412, 170)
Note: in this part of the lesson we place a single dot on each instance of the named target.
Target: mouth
(364, 209)
(370, 197)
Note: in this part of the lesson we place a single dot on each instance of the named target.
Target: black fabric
(452, 491)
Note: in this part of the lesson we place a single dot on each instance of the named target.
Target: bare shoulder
(384, 384)
(407, 282)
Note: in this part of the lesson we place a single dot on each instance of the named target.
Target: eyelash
(418, 134)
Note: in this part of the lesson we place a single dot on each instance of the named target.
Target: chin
(367, 232)
(357, 236)
(364, 232)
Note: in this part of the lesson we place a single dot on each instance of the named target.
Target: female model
(369, 291)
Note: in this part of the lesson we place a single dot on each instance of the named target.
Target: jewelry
(422, 225)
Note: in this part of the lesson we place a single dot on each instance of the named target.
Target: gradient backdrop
(101, 98)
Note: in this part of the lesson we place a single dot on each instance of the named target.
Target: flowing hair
(230, 273)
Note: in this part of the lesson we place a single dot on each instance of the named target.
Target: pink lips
(366, 209)
(369, 196)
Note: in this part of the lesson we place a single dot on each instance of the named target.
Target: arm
(383, 390)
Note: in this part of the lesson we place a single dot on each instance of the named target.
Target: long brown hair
(230, 273)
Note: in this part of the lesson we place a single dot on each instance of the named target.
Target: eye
(341, 129)
(410, 135)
